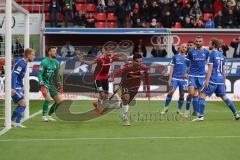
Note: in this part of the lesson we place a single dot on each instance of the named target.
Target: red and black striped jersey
(103, 66)
(132, 76)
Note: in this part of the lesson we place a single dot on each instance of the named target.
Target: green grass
(67, 140)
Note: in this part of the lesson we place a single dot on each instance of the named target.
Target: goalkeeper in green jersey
(50, 83)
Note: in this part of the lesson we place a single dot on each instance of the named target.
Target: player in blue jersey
(177, 78)
(215, 81)
(18, 74)
(198, 59)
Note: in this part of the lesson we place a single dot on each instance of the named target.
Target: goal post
(7, 8)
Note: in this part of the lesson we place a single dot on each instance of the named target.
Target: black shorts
(132, 93)
(102, 85)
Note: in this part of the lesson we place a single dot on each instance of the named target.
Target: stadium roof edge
(125, 31)
(134, 31)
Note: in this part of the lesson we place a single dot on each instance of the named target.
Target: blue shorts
(18, 96)
(218, 89)
(196, 82)
(182, 84)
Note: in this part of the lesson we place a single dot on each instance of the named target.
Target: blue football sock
(195, 104)
(168, 100)
(188, 104)
(231, 106)
(180, 103)
(20, 110)
(14, 114)
(201, 104)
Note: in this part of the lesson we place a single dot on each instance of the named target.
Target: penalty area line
(5, 130)
(116, 138)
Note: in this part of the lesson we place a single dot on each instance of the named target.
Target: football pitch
(150, 137)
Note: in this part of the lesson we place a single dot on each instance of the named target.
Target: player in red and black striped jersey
(132, 75)
(101, 75)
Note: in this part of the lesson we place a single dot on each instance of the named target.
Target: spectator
(90, 21)
(237, 14)
(159, 51)
(208, 6)
(210, 23)
(95, 51)
(155, 10)
(167, 20)
(140, 49)
(135, 18)
(101, 6)
(111, 6)
(236, 45)
(229, 19)
(195, 10)
(176, 12)
(80, 19)
(223, 48)
(153, 23)
(198, 23)
(18, 48)
(219, 20)
(186, 10)
(218, 6)
(68, 11)
(67, 50)
(188, 23)
(145, 12)
(54, 8)
(121, 14)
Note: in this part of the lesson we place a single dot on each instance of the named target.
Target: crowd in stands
(149, 13)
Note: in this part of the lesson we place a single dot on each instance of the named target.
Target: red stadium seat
(27, 1)
(27, 7)
(80, 7)
(46, 8)
(80, 1)
(60, 17)
(111, 17)
(91, 7)
(101, 16)
(47, 17)
(100, 25)
(36, 8)
(178, 25)
(206, 16)
(111, 25)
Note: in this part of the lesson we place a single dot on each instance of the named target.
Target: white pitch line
(116, 138)
(2, 132)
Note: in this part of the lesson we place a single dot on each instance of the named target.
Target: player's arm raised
(81, 59)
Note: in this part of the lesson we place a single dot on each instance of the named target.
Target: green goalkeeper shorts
(52, 91)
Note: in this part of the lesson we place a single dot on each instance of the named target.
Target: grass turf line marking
(116, 138)
(2, 132)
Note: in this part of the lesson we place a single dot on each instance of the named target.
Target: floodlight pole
(8, 61)
(26, 79)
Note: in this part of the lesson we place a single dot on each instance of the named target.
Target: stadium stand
(144, 11)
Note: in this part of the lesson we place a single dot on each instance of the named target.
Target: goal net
(14, 37)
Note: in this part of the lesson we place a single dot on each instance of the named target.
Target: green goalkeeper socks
(53, 109)
(45, 108)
